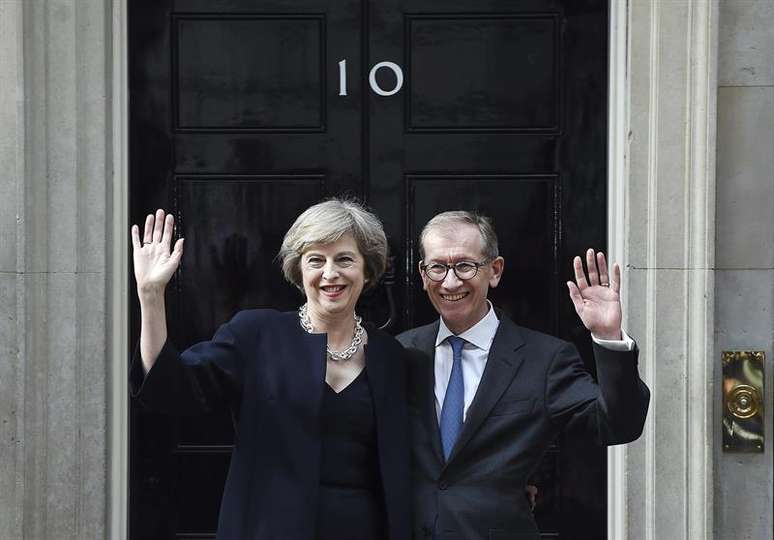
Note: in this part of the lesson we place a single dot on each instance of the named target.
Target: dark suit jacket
(271, 373)
(532, 386)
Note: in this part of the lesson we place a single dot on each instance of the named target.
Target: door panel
(277, 83)
(237, 125)
(459, 96)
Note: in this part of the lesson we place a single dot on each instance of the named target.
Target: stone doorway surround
(661, 222)
(64, 264)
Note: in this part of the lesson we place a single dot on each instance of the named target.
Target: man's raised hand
(596, 297)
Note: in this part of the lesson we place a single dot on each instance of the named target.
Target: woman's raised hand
(154, 260)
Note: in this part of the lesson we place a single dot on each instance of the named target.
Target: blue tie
(454, 401)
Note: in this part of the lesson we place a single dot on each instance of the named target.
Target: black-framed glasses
(464, 270)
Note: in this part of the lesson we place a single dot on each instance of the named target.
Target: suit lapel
(501, 366)
(426, 343)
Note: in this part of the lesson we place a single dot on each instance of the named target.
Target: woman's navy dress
(351, 506)
(270, 373)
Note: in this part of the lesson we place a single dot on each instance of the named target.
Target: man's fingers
(575, 295)
(615, 283)
(148, 234)
(604, 279)
(158, 226)
(136, 237)
(592, 266)
(580, 276)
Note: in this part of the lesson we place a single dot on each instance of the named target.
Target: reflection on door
(242, 115)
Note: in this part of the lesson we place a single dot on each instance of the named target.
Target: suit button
(443, 484)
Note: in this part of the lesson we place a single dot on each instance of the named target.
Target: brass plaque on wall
(743, 401)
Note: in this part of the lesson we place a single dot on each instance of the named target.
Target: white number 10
(372, 78)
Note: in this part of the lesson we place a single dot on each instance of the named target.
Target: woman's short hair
(327, 222)
(453, 218)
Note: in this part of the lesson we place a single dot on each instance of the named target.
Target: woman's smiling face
(333, 277)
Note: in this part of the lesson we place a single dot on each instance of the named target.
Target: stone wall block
(91, 50)
(659, 125)
(640, 454)
(12, 132)
(62, 407)
(61, 136)
(744, 307)
(33, 205)
(641, 132)
(658, 461)
(10, 416)
(669, 227)
(660, 331)
(671, 168)
(746, 43)
(745, 189)
(34, 400)
(93, 360)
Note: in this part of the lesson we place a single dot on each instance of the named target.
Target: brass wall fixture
(743, 401)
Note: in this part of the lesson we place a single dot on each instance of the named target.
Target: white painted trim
(117, 273)
(617, 166)
(700, 259)
(649, 295)
(668, 230)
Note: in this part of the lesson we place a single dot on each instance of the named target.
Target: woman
(321, 442)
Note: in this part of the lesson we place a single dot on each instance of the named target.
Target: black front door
(244, 113)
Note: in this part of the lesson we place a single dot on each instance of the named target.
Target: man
(488, 397)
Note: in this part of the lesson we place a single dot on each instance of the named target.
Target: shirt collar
(480, 334)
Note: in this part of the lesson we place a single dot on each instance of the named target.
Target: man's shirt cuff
(624, 344)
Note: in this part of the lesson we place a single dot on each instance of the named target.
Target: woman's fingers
(147, 237)
(178, 251)
(158, 226)
(136, 237)
(169, 224)
(154, 265)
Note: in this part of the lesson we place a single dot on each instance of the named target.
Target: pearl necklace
(336, 356)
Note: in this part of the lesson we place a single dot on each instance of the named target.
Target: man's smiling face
(461, 303)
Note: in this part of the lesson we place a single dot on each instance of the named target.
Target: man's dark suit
(532, 386)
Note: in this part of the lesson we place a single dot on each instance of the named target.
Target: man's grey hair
(453, 218)
(327, 222)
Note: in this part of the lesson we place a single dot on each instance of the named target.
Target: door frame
(620, 62)
(617, 175)
(117, 469)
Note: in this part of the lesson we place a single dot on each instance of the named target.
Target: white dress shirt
(478, 341)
